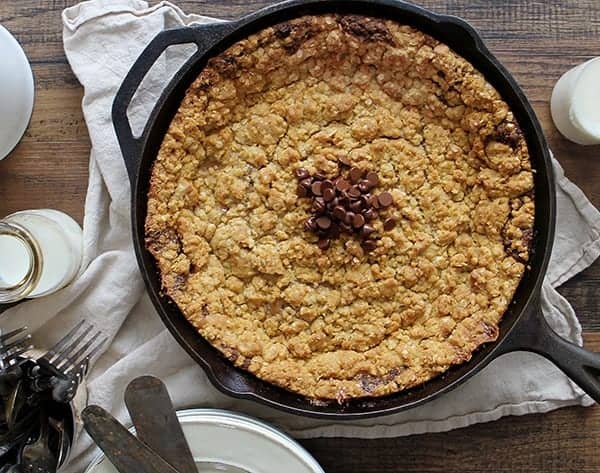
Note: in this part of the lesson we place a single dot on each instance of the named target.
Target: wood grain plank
(562, 441)
(57, 117)
(45, 175)
(583, 294)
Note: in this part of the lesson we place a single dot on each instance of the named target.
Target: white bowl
(16, 92)
(236, 440)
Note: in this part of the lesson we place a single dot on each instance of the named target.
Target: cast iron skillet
(523, 326)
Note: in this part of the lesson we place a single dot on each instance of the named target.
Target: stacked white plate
(16, 92)
(226, 438)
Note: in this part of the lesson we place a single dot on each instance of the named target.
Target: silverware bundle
(36, 425)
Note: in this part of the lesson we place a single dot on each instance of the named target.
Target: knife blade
(155, 420)
(126, 453)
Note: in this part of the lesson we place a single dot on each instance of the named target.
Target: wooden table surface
(536, 40)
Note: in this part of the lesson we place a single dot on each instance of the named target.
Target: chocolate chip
(389, 224)
(334, 231)
(508, 133)
(343, 204)
(356, 206)
(364, 186)
(349, 218)
(306, 182)
(326, 184)
(328, 194)
(358, 220)
(311, 224)
(344, 161)
(354, 192)
(342, 185)
(324, 222)
(355, 175)
(373, 179)
(339, 212)
(302, 173)
(374, 202)
(301, 191)
(368, 245)
(345, 227)
(370, 214)
(366, 231)
(323, 243)
(319, 206)
(385, 199)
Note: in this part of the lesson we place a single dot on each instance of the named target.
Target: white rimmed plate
(16, 92)
(233, 439)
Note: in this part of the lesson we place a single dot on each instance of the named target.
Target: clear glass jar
(40, 252)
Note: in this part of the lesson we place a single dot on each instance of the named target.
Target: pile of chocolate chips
(345, 204)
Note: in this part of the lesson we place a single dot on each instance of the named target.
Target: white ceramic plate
(16, 92)
(236, 440)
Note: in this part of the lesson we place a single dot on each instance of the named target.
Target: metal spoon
(19, 433)
(11, 469)
(37, 456)
(16, 399)
(63, 441)
(8, 380)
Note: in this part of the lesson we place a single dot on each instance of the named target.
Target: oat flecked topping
(229, 226)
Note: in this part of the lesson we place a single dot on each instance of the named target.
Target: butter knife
(126, 453)
(155, 420)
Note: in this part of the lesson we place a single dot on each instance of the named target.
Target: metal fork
(11, 350)
(69, 359)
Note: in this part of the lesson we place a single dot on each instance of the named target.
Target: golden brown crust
(226, 226)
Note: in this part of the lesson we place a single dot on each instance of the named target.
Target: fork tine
(72, 360)
(16, 350)
(63, 355)
(19, 344)
(63, 341)
(81, 370)
(5, 336)
(7, 348)
(19, 351)
(100, 344)
(87, 351)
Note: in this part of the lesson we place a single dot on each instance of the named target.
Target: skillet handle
(532, 333)
(461, 32)
(204, 36)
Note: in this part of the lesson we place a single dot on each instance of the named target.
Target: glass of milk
(575, 103)
(40, 253)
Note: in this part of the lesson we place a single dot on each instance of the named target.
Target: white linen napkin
(102, 38)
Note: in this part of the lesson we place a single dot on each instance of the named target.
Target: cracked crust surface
(226, 227)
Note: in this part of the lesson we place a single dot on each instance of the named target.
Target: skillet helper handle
(533, 334)
(204, 36)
